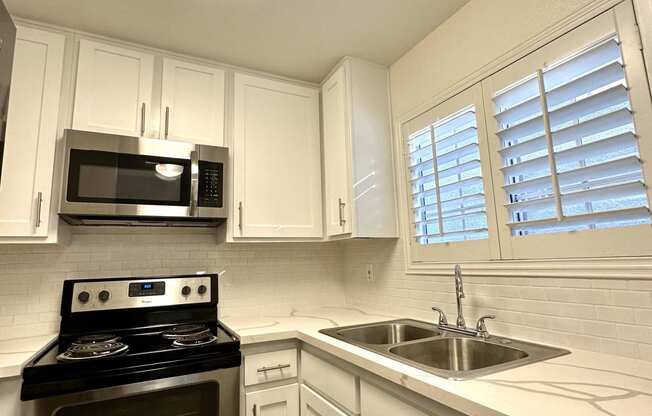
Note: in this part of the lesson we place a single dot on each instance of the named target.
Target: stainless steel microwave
(120, 180)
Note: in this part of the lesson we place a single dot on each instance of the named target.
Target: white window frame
(463, 250)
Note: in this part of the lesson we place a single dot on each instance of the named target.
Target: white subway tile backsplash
(259, 278)
(604, 315)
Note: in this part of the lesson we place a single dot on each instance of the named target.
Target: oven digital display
(146, 289)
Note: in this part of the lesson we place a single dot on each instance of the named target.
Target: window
(593, 179)
(569, 129)
(446, 150)
(446, 181)
(569, 132)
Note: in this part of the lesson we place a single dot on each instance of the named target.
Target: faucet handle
(481, 327)
(442, 316)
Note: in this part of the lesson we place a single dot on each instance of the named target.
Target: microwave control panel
(211, 184)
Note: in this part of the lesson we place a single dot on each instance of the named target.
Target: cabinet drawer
(270, 366)
(312, 404)
(339, 385)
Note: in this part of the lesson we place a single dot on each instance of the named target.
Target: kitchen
(203, 213)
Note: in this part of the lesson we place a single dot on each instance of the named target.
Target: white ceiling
(301, 39)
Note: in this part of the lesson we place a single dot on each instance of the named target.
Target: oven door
(108, 175)
(212, 393)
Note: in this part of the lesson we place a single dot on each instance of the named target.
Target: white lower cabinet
(338, 384)
(376, 402)
(312, 404)
(277, 401)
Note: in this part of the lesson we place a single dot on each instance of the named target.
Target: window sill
(599, 268)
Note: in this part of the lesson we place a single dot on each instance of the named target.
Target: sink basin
(389, 333)
(442, 352)
(458, 354)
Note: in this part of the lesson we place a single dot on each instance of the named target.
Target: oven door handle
(194, 182)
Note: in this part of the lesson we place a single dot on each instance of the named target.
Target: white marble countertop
(15, 353)
(580, 384)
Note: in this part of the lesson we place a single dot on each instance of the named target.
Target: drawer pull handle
(276, 367)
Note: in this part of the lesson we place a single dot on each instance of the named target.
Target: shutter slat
(584, 107)
(452, 217)
(571, 67)
(455, 138)
(459, 153)
(623, 217)
(587, 82)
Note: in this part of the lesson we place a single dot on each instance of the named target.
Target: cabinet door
(336, 155)
(277, 159)
(192, 104)
(279, 401)
(114, 90)
(29, 150)
(376, 402)
(312, 404)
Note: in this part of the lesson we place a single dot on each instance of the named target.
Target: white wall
(613, 316)
(259, 278)
(477, 34)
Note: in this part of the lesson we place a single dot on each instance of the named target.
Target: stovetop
(148, 346)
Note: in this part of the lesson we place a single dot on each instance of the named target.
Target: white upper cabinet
(27, 165)
(192, 104)
(276, 160)
(114, 89)
(336, 155)
(358, 164)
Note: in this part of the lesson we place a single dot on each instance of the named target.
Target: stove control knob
(201, 289)
(83, 296)
(185, 291)
(104, 295)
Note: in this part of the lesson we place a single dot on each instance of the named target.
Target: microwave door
(108, 183)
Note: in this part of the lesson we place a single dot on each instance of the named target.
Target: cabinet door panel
(279, 401)
(114, 89)
(192, 106)
(376, 402)
(336, 155)
(312, 404)
(276, 156)
(26, 181)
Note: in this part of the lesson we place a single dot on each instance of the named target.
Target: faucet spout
(459, 294)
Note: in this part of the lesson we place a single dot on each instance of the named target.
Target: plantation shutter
(569, 145)
(448, 176)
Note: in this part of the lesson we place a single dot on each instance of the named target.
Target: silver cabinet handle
(142, 119)
(167, 121)
(194, 182)
(340, 207)
(276, 367)
(254, 410)
(39, 204)
(240, 215)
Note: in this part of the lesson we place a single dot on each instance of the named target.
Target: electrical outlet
(370, 272)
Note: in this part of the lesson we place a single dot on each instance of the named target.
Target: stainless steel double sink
(440, 352)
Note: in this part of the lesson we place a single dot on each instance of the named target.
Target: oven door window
(194, 400)
(118, 178)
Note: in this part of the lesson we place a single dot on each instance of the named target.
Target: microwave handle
(194, 182)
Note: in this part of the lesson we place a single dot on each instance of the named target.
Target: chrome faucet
(459, 294)
(480, 328)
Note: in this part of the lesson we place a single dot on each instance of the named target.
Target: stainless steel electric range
(134, 347)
